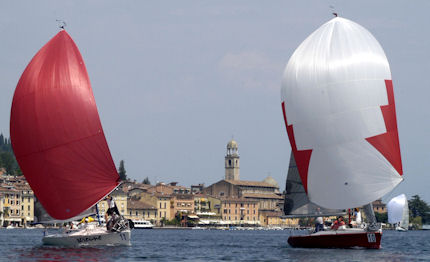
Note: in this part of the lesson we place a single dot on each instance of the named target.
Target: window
(164, 214)
(160, 213)
(235, 211)
(28, 207)
(225, 211)
(17, 211)
(137, 213)
(247, 211)
(130, 213)
(160, 204)
(254, 212)
(164, 204)
(229, 162)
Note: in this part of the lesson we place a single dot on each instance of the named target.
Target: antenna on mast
(61, 24)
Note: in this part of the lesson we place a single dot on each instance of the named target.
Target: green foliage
(121, 171)
(7, 158)
(381, 217)
(419, 208)
(417, 222)
(146, 181)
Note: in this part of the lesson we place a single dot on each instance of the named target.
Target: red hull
(338, 240)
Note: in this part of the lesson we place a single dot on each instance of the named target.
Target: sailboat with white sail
(398, 212)
(339, 111)
(59, 142)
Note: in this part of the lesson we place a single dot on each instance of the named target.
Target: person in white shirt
(112, 209)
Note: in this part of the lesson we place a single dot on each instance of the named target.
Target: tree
(121, 171)
(419, 208)
(146, 181)
(8, 162)
(381, 217)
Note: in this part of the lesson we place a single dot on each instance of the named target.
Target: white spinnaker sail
(334, 89)
(398, 211)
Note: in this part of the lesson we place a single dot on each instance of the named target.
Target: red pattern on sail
(302, 157)
(56, 132)
(388, 143)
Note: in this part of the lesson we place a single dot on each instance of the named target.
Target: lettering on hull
(88, 239)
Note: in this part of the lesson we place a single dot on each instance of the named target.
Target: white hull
(142, 224)
(96, 236)
(401, 229)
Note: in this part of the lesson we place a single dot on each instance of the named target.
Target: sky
(175, 81)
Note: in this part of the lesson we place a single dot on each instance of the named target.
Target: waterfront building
(161, 201)
(240, 211)
(271, 218)
(206, 204)
(17, 201)
(379, 207)
(182, 203)
(266, 193)
(138, 210)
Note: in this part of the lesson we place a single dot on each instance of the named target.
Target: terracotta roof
(250, 183)
(139, 205)
(237, 200)
(159, 194)
(267, 196)
(271, 213)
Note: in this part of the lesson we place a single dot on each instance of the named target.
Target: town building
(182, 203)
(379, 207)
(240, 211)
(17, 201)
(266, 193)
(138, 210)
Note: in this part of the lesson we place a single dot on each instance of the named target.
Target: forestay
(338, 104)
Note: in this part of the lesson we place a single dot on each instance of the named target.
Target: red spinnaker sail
(56, 132)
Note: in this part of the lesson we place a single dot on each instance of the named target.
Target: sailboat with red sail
(58, 140)
(339, 111)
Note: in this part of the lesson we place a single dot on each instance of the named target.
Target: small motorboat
(142, 224)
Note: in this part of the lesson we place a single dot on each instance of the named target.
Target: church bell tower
(232, 161)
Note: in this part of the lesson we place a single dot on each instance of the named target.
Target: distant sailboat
(339, 111)
(398, 212)
(59, 142)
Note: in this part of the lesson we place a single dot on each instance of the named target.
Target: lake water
(211, 245)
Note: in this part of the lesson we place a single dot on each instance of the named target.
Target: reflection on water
(211, 245)
(48, 253)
